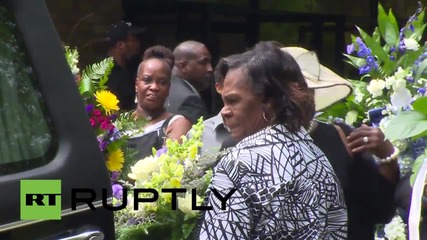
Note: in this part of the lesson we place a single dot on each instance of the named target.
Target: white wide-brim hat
(328, 86)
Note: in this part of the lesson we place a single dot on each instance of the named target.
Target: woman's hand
(371, 139)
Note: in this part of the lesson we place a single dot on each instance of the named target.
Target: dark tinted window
(26, 138)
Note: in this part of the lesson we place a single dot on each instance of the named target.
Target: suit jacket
(185, 100)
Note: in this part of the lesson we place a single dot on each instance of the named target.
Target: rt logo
(40, 199)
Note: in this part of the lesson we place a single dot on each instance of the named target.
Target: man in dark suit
(192, 73)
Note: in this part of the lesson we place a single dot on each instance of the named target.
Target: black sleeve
(369, 187)
(192, 108)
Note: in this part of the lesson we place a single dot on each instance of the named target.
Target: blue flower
(350, 49)
(370, 60)
(364, 69)
(392, 58)
(410, 79)
(421, 90)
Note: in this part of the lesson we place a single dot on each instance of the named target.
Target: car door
(45, 135)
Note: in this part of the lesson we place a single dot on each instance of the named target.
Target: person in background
(123, 46)
(368, 181)
(152, 89)
(364, 161)
(192, 73)
(215, 133)
(285, 186)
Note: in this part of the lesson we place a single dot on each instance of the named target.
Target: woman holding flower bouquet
(152, 89)
(285, 186)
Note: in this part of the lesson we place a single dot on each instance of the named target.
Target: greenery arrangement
(390, 94)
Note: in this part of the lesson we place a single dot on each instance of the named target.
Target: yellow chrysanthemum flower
(115, 160)
(107, 100)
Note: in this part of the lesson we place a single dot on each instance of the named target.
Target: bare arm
(178, 128)
(377, 146)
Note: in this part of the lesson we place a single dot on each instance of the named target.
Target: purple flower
(113, 117)
(117, 191)
(410, 79)
(392, 58)
(161, 151)
(411, 27)
(114, 176)
(350, 49)
(421, 90)
(89, 108)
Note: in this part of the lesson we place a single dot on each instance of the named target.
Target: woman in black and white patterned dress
(286, 188)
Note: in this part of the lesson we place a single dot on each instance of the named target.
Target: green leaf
(405, 125)
(421, 68)
(85, 86)
(355, 61)
(388, 26)
(377, 35)
(416, 168)
(420, 105)
(419, 27)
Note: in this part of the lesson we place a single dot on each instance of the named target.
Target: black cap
(120, 31)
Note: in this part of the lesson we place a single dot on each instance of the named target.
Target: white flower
(400, 73)
(395, 230)
(375, 87)
(389, 81)
(186, 204)
(75, 70)
(143, 169)
(350, 117)
(358, 95)
(401, 98)
(411, 44)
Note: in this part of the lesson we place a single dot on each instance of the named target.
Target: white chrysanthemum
(143, 169)
(411, 44)
(395, 230)
(375, 87)
(351, 117)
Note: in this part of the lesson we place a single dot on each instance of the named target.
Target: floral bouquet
(392, 64)
(102, 109)
(175, 168)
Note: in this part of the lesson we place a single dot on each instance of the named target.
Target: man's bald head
(193, 63)
(186, 50)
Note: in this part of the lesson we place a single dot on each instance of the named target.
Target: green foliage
(408, 124)
(95, 76)
(416, 168)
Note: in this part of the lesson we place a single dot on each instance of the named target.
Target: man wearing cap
(123, 46)
(192, 74)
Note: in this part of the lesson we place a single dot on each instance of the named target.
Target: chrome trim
(64, 213)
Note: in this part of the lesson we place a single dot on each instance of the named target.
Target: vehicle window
(26, 140)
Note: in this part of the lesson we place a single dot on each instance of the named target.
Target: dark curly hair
(276, 77)
(160, 52)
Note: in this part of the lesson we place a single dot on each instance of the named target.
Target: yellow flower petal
(115, 160)
(107, 101)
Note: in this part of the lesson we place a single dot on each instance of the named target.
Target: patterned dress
(286, 189)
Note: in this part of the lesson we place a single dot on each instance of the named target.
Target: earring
(265, 118)
(136, 98)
